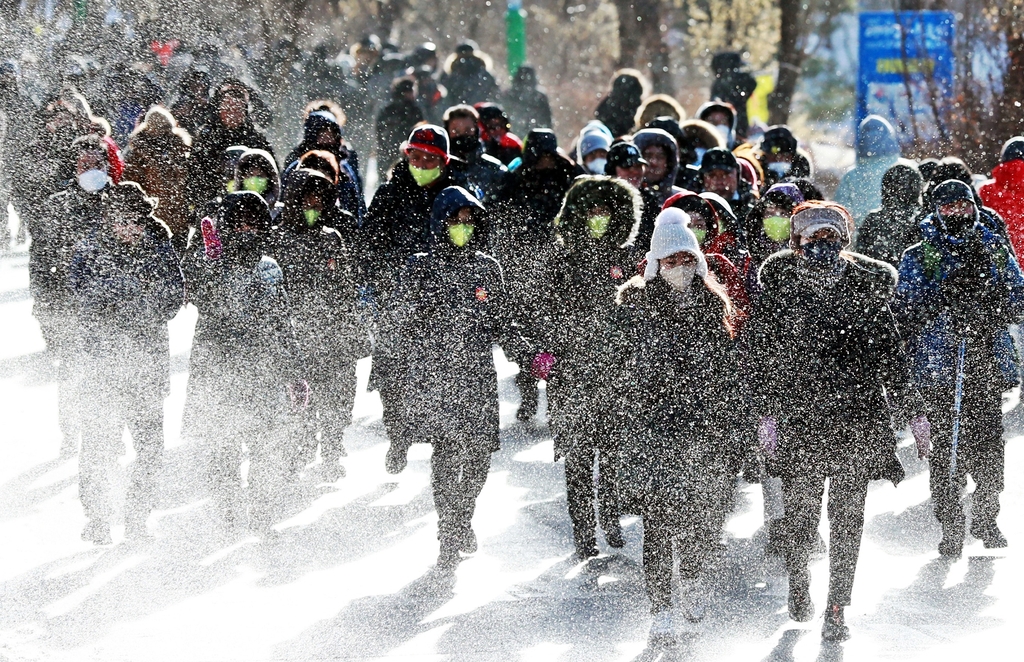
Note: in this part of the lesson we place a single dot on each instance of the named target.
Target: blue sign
(907, 71)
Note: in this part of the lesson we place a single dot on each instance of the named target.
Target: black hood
(901, 187)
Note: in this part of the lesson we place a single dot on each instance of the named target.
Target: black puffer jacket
(397, 225)
(321, 275)
(683, 399)
(67, 218)
(571, 311)
(125, 296)
(821, 350)
(889, 231)
(448, 308)
(244, 353)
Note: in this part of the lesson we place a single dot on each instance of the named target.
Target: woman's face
(682, 258)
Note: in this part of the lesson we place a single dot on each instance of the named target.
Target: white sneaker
(663, 628)
(693, 599)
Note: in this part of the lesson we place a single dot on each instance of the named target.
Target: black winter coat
(821, 350)
(397, 225)
(125, 296)
(320, 276)
(244, 353)
(67, 218)
(682, 401)
(438, 326)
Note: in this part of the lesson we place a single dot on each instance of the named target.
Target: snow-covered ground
(350, 575)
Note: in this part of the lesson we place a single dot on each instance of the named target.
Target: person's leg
(101, 442)
(337, 414)
(268, 462)
(146, 425)
(225, 455)
(608, 510)
(386, 375)
(657, 559)
(946, 490)
(527, 386)
(474, 464)
(579, 493)
(846, 496)
(801, 497)
(445, 473)
(986, 465)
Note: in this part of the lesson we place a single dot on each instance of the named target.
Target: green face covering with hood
(447, 206)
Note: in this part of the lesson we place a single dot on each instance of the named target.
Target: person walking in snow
(126, 285)
(320, 273)
(573, 320)
(397, 227)
(959, 290)
(681, 409)
(245, 374)
(827, 371)
(447, 309)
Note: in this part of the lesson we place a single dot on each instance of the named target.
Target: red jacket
(1005, 194)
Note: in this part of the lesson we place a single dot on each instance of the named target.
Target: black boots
(835, 628)
(801, 608)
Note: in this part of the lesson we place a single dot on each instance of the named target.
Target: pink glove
(541, 366)
(768, 435)
(922, 430)
(298, 394)
(211, 240)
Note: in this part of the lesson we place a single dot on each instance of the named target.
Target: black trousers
(694, 538)
(980, 453)
(801, 496)
(458, 471)
(109, 408)
(579, 489)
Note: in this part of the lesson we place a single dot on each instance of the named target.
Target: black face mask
(463, 146)
(958, 225)
(822, 252)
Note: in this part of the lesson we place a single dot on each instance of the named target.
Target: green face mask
(255, 184)
(460, 234)
(701, 234)
(425, 177)
(598, 225)
(312, 216)
(776, 228)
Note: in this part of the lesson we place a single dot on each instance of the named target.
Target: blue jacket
(930, 309)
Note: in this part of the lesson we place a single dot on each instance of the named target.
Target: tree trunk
(388, 13)
(640, 42)
(1011, 107)
(790, 58)
(629, 34)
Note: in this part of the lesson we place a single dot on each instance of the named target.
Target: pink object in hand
(768, 435)
(541, 366)
(211, 240)
(922, 431)
(298, 393)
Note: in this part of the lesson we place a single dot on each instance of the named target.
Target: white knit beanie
(672, 234)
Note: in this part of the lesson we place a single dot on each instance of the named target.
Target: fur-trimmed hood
(621, 200)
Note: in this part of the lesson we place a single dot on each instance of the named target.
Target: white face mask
(93, 180)
(700, 154)
(679, 278)
(597, 166)
(780, 168)
(724, 131)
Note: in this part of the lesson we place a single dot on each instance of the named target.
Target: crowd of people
(694, 306)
